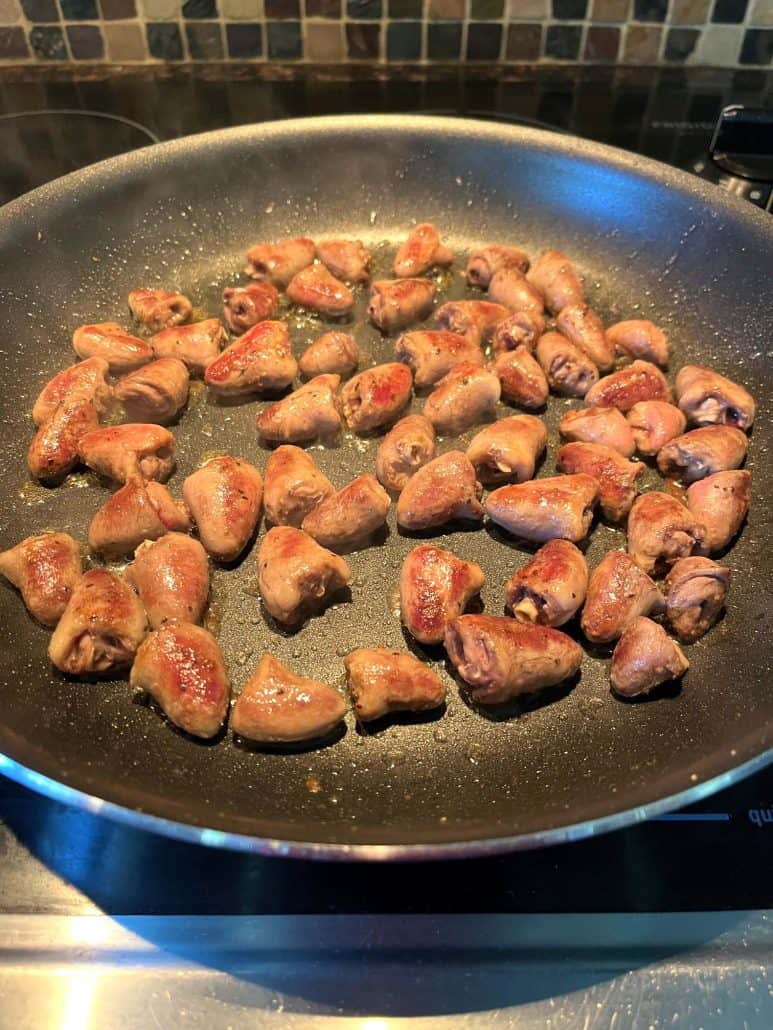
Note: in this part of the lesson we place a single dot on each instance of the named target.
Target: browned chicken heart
(644, 658)
(521, 329)
(245, 306)
(225, 497)
(316, 289)
(159, 309)
(568, 369)
(261, 361)
(346, 259)
(720, 503)
(85, 380)
(507, 450)
(618, 592)
(171, 576)
(554, 276)
(395, 303)
(435, 587)
(381, 681)
(420, 252)
(44, 569)
(653, 424)
(296, 576)
(701, 452)
(432, 353)
(475, 319)
(443, 490)
(349, 517)
(660, 530)
(510, 288)
(157, 392)
(583, 327)
(197, 345)
(132, 449)
(304, 415)
(109, 341)
(543, 509)
(484, 262)
(639, 338)
(606, 426)
(551, 587)
(708, 398)
(293, 486)
(332, 353)
(376, 396)
(464, 397)
(639, 381)
(696, 591)
(522, 380)
(615, 475)
(407, 447)
(139, 511)
(278, 263)
(54, 449)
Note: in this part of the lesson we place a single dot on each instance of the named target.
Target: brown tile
(524, 42)
(451, 9)
(363, 41)
(521, 10)
(9, 12)
(610, 10)
(241, 10)
(118, 10)
(762, 13)
(602, 44)
(642, 44)
(689, 12)
(324, 42)
(125, 42)
(323, 8)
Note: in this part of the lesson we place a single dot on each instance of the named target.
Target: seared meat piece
(245, 306)
(435, 587)
(432, 353)
(522, 380)
(702, 452)
(395, 303)
(554, 276)
(464, 397)
(696, 591)
(54, 448)
(171, 575)
(332, 353)
(277, 706)
(639, 338)
(197, 345)
(293, 486)
(551, 587)
(181, 666)
(295, 575)
(618, 592)
(645, 657)
(720, 503)
(543, 509)
(475, 319)
(639, 381)
(376, 396)
(660, 530)
(581, 325)
(349, 517)
(159, 309)
(346, 259)
(510, 287)
(157, 392)
(708, 398)
(383, 681)
(501, 658)
(599, 425)
(278, 263)
(443, 490)
(507, 450)
(483, 263)
(138, 511)
(316, 289)
(44, 569)
(568, 370)
(84, 380)
(654, 423)
(132, 449)
(258, 362)
(225, 497)
(420, 252)
(107, 340)
(101, 627)
(521, 329)
(615, 475)
(308, 412)
(406, 447)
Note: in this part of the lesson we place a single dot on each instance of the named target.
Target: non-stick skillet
(649, 240)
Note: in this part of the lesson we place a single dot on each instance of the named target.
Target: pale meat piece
(157, 392)
(375, 397)
(720, 503)
(332, 353)
(701, 452)
(260, 361)
(511, 288)
(500, 658)
(696, 592)
(639, 381)
(430, 354)
(197, 345)
(554, 276)
(464, 397)
(522, 380)
(278, 263)
(346, 259)
(138, 511)
(293, 486)
(475, 319)
(349, 517)
(396, 303)
(225, 498)
(443, 490)
(107, 340)
(644, 658)
(171, 576)
(420, 252)
(54, 448)
(316, 289)
(568, 370)
(521, 329)
(296, 576)
(544, 509)
(435, 586)
(583, 327)
(159, 309)
(708, 398)
(551, 586)
(277, 706)
(245, 306)
(304, 415)
(101, 627)
(132, 449)
(181, 667)
(382, 681)
(85, 380)
(639, 338)
(44, 569)
(507, 450)
(653, 424)
(607, 426)
(483, 263)
(618, 592)
(661, 530)
(615, 475)
(409, 445)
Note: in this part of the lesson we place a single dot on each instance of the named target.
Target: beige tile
(642, 44)
(161, 10)
(324, 43)
(9, 12)
(762, 13)
(446, 9)
(241, 10)
(531, 9)
(719, 45)
(610, 10)
(125, 42)
(689, 12)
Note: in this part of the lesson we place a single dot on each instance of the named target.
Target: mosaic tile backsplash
(727, 33)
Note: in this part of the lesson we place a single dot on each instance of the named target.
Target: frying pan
(650, 241)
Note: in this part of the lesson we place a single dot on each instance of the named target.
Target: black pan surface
(650, 241)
